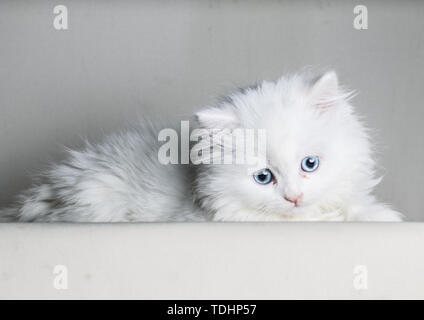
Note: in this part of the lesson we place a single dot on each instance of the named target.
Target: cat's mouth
(296, 206)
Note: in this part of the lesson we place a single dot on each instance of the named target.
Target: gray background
(168, 58)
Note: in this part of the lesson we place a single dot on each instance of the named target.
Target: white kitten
(318, 166)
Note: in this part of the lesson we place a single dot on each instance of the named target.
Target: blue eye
(263, 176)
(310, 163)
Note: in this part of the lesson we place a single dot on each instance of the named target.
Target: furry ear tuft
(217, 117)
(326, 92)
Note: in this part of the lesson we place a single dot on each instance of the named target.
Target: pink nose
(295, 199)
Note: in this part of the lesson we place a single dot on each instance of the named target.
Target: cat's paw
(375, 212)
(386, 216)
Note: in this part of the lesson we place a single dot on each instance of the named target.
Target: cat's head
(318, 154)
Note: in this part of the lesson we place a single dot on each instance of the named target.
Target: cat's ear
(325, 91)
(217, 118)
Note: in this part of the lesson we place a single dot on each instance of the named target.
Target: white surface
(208, 261)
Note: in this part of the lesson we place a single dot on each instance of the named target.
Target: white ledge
(212, 260)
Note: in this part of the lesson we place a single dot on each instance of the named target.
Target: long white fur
(122, 180)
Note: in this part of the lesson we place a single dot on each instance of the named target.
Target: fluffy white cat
(318, 167)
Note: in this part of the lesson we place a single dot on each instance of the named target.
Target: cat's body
(304, 118)
(119, 180)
